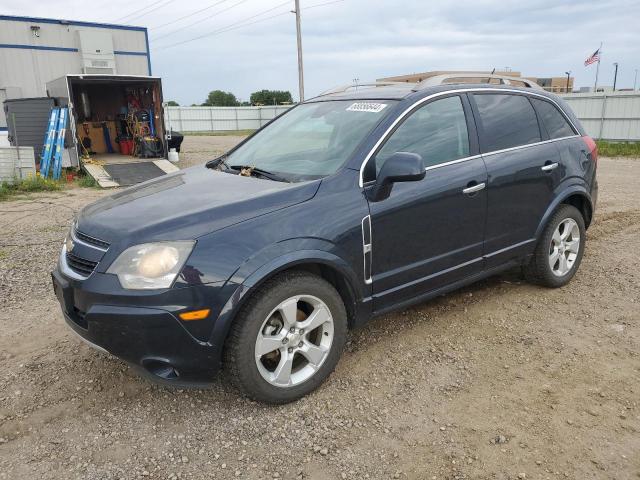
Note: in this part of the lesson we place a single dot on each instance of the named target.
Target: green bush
(28, 185)
(618, 149)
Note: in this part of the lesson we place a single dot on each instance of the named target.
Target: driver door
(428, 234)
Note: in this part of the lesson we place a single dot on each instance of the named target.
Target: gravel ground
(196, 149)
(500, 380)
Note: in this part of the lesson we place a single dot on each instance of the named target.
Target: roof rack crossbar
(349, 86)
(504, 80)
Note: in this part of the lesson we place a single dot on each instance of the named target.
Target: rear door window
(552, 120)
(507, 121)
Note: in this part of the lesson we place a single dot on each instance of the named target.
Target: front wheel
(287, 339)
(559, 251)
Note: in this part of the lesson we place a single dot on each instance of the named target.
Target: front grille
(79, 265)
(96, 242)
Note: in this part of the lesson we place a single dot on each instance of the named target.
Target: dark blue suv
(350, 205)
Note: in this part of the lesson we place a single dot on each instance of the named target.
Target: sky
(249, 45)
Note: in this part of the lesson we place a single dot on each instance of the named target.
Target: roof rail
(344, 88)
(483, 77)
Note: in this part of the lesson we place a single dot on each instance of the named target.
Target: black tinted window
(507, 120)
(553, 121)
(437, 132)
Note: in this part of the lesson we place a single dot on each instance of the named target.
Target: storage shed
(27, 121)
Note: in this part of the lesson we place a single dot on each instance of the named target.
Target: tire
(564, 229)
(274, 319)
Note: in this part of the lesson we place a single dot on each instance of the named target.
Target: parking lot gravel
(500, 380)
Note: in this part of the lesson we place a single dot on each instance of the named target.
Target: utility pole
(635, 80)
(568, 75)
(615, 76)
(299, 35)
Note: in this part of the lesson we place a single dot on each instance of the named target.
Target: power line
(321, 4)
(190, 15)
(227, 28)
(199, 21)
(139, 10)
(145, 10)
(152, 9)
(236, 25)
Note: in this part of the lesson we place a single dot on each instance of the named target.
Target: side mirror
(399, 167)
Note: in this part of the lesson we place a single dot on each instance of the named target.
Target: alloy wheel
(564, 248)
(294, 341)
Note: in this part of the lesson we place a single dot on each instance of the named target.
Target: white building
(34, 51)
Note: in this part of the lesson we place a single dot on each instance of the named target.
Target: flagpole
(595, 86)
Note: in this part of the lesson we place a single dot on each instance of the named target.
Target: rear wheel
(559, 250)
(287, 339)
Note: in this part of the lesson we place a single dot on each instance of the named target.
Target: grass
(86, 181)
(618, 149)
(222, 133)
(28, 185)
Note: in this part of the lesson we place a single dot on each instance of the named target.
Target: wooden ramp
(121, 171)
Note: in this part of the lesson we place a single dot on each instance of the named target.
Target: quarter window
(552, 120)
(437, 132)
(507, 121)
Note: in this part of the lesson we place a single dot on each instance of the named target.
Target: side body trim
(367, 253)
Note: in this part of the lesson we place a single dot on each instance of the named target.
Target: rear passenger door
(521, 169)
(557, 128)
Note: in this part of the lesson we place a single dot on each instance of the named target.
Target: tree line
(220, 98)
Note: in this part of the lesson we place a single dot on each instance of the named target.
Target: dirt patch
(500, 380)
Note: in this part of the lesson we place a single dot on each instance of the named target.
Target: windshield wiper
(259, 171)
(217, 162)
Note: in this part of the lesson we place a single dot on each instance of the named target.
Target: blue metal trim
(71, 22)
(63, 49)
(121, 52)
(4, 129)
(38, 47)
(146, 39)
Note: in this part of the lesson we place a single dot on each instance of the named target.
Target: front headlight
(151, 265)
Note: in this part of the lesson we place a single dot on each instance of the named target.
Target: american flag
(593, 58)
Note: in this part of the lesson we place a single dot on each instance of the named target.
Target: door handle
(474, 188)
(550, 166)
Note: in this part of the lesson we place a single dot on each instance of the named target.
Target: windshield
(311, 140)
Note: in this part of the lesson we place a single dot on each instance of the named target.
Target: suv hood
(187, 204)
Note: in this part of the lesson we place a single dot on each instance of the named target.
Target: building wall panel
(131, 65)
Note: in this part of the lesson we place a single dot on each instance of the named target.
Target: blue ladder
(49, 139)
(57, 156)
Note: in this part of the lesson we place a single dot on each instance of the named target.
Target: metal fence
(607, 116)
(213, 119)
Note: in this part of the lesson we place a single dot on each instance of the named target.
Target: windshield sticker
(366, 107)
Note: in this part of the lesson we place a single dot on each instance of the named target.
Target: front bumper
(143, 328)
